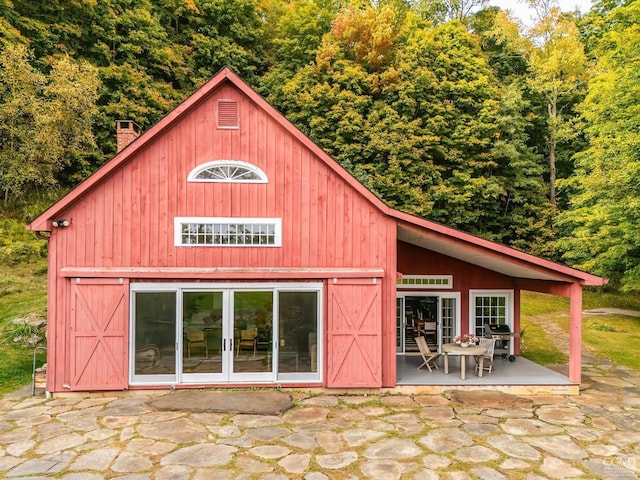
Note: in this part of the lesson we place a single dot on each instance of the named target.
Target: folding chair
(428, 356)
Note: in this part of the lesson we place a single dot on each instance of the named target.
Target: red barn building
(223, 248)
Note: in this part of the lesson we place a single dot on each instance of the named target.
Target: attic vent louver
(228, 114)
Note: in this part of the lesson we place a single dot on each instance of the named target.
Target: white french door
(227, 336)
(434, 315)
(202, 334)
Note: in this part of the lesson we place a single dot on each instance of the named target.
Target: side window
(494, 308)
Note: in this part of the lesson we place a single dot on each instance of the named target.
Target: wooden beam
(257, 273)
(575, 333)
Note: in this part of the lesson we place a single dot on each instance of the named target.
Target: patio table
(464, 352)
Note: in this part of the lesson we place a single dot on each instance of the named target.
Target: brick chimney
(126, 132)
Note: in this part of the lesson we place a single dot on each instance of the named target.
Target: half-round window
(227, 171)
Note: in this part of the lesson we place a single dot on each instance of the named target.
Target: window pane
(228, 234)
(298, 339)
(202, 332)
(155, 333)
(253, 325)
(494, 311)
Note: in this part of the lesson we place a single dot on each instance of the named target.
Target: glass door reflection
(202, 330)
(253, 332)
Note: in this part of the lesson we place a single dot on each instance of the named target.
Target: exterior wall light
(60, 223)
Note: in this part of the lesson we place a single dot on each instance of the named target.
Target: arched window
(227, 171)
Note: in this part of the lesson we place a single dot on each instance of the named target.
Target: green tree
(225, 33)
(528, 216)
(416, 114)
(150, 55)
(605, 212)
(45, 121)
(343, 101)
(457, 101)
(441, 11)
(557, 62)
(293, 32)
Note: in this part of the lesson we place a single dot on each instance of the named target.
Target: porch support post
(575, 333)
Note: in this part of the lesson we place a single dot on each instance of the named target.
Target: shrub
(18, 245)
(28, 331)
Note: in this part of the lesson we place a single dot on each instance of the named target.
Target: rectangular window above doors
(227, 232)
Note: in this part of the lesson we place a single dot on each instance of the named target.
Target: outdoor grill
(503, 336)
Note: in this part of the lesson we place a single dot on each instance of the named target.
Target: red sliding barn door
(354, 334)
(98, 334)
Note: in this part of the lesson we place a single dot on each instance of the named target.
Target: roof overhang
(485, 254)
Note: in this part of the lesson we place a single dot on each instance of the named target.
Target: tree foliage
(416, 114)
(444, 108)
(605, 212)
(557, 64)
(45, 121)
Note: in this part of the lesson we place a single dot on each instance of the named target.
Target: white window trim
(179, 221)
(446, 282)
(180, 287)
(441, 295)
(227, 163)
(508, 294)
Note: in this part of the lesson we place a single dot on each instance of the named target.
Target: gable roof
(43, 221)
(420, 232)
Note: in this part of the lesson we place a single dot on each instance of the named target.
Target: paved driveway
(460, 435)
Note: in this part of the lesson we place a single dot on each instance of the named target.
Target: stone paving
(458, 435)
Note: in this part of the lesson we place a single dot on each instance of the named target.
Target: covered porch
(480, 270)
(521, 377)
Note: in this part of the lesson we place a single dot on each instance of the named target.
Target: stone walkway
(457, 436)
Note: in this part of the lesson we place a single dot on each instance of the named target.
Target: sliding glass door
(251, 326)
(153, 334)
(225, 333)
(203, 343)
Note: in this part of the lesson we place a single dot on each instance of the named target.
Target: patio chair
(429, 358)
(197, 339)
(490, 345)
(248, 339)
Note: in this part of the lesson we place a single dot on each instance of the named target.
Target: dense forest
(446, 109)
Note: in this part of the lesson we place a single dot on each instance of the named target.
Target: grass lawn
(23, 290)
(611, 336)
(614, 337)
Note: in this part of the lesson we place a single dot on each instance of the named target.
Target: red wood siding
(98, 334)
(413, 260)
(128, 219)
(354, 334)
